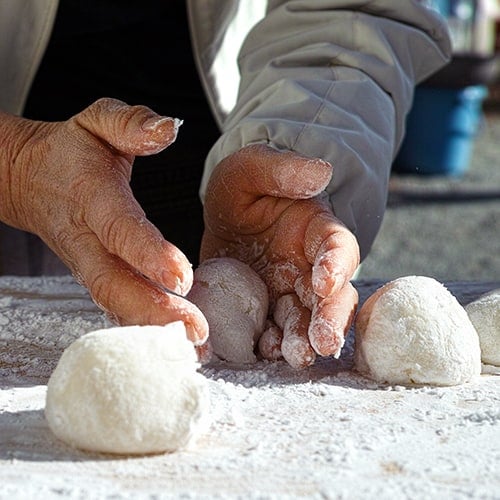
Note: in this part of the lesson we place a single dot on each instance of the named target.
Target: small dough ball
(485, 316)
(128, 390)
(413, 331)
(234, 301)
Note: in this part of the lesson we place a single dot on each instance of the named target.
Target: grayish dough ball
(234, 301)
(485, 316)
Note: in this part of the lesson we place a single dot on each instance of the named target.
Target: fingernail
(153, 123)
(181, 285)
(196, 337)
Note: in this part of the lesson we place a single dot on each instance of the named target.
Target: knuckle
(107, 104)
(113, 233)
(101, 290)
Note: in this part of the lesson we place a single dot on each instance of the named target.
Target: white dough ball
(485, 316)
(128, 390)
(234, 301)
(413, 331)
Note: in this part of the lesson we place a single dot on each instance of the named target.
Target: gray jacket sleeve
(334, 79)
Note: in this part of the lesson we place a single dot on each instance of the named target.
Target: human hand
(68, 182)
(264, 207)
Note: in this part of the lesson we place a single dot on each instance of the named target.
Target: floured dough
(485, 316)
(128, 390)
(414, 331)
(234, 301)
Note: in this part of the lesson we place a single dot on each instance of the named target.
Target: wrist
(15, 133)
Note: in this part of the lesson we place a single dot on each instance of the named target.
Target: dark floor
(447, 228)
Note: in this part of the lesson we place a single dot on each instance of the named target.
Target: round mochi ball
(413, 331)
(485, 316)
(128, 390)
(234, 301)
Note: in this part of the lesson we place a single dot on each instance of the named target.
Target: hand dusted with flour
(68, 182)
(265, 207)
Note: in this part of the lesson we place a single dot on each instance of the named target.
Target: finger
(122, 228)
(205, 353)
(270, 342)
(135, 130)
(260, 169)
(330, 321)
(279, 278)
(128, 296)
(304, 290)
(293, 318)
(333, 251)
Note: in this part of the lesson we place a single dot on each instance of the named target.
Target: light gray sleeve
(334, 79)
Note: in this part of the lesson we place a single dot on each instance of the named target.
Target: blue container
(440, 130)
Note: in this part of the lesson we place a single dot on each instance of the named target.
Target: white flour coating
(485, 316)
(270, 342)
(326, 332)
(235, 302)
(321, 271)
(282, 275)
(413, 331)
(293, 317)
(304, 290)
(128, 390)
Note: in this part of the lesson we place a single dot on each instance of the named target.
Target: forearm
(335, 81)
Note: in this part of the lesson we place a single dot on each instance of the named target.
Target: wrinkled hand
(69, 183)
(264, 207)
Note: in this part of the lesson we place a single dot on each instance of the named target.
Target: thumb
(134, 130)
(264, 171)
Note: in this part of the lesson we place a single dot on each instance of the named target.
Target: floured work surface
(325, 432)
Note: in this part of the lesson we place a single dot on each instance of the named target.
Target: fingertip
(331, 319)
(159, 132)
(205, 353)
(293, 318)
(301, 177)
(178, 276)
(325, 337)
(193, 319)
(297, 351)
(134, 130)
(274, 172)
(270, 342)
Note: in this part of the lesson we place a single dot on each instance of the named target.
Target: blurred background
(443, 214)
